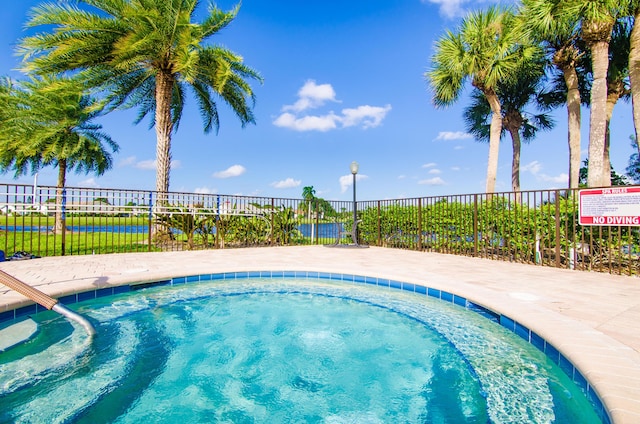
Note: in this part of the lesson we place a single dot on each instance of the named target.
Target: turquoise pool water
(282, 350)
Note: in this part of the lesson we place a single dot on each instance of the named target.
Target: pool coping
(592, 331)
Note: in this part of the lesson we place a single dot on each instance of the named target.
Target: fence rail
(536, 227)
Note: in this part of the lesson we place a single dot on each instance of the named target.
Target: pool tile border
(510, 324)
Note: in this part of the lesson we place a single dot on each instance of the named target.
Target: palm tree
(309, 202)
(144, 54)
(49, 123)
(558, 32)
(308, 195)
(486, 49)
(319, 205)
(515, 96)
(617, 80)
(598, 18)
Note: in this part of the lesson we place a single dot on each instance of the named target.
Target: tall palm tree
(618, 87)
(49, 123)
(597, 18)
(145, 54)
(617, 80)
(515, 96)
(545, 23)
(486, 49)
(308, 193)
(308, 197)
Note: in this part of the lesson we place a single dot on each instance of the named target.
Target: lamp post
(354, 232)
(354, 228)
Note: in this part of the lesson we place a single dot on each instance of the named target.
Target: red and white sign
(610, 206)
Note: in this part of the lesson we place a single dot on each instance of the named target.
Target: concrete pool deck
(592, 318)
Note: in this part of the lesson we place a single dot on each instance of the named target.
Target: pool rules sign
(610, 206)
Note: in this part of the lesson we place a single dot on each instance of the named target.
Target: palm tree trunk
(494, 140)
(574, 118)
(164, 127)
(515, 159)
(634, 74)
(598, 118)
(62, 180)
(612, 99)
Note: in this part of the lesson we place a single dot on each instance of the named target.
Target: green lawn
(41, 241)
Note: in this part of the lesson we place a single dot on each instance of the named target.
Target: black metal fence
(536, 227)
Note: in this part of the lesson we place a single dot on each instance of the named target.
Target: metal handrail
(45, 300)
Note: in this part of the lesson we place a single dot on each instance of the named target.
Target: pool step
(17, 333)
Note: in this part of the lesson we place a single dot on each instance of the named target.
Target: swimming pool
(276, 349)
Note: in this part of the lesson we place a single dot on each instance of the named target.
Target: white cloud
(562, 178)
(89, 182)
(312, 96)
(367, 116)
(346, 181)
(149, 164)
(449, 8)
(288, 183)
(307, 123)
(434, 171)
(455, 168)
(205, 190)
(452, 135)
(128, 161)
(533, 167)
(230, 172)
(429, 165)
(432, 181)
(457, 8)
(458, 148)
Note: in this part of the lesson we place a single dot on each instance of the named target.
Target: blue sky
(343, 81)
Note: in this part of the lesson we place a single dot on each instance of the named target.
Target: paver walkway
(591, 317)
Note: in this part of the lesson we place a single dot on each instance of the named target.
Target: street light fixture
(354, 228)
(354, 231)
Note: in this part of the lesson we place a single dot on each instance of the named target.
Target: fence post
(475, 225)
(419, 224)
(558, 241)
(150, 219)
(317, 210)
(63, 217)
(273, 206)
(379, 229)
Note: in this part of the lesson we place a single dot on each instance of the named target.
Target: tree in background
(308, 196)
(143, 54)
(316, 204)
(48, 122)
(487, 49)
(514, 96)
(618, 87)
(616, 179)
(558, 33)
(617, 80)
(597, 19)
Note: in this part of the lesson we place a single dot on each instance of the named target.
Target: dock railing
(537, 227)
